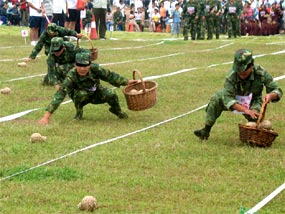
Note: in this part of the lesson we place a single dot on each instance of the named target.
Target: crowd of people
(202, 19)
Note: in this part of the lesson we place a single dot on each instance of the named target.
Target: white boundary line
(102, 143)
(266, 200)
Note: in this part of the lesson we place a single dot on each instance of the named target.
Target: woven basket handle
(140, 76)
(92, 46)
(262, 113)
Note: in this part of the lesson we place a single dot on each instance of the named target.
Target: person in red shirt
(24, 13)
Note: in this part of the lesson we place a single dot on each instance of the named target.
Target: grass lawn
(151, 162)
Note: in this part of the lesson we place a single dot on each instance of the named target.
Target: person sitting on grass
(245, 81)
(82, 84)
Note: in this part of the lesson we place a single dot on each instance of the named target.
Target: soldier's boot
(119, 113)
(79, 114)
(204, 133)
(45, 80)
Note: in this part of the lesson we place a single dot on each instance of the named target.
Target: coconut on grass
(88, 203)
(5, 90)
(37, 137)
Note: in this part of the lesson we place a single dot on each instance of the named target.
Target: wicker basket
(144, 100)
(257, 136)
(93, 50)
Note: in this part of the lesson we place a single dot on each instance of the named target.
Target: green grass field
(151, 162)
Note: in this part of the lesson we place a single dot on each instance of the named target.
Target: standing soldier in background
(213, 11)
(232, 12)
(190, 13)
(45, 41)
(61, 58)
(240, 5)
(201, 24)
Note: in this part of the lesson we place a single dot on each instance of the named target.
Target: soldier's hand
(252, 113)
(57, 87)
(28, 59)
(79, 35)
(45, 118)
(132, 82)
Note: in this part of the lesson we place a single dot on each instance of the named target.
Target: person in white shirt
(36, 9)
(60, 11)
(73, 14)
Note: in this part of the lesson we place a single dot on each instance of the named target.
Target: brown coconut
(88, 203)
(37, 137)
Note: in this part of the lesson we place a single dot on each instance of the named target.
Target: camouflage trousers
(213, 26)
(216, 107)
(232, 25)
(100, 96)
(201, 28)
(190, 24)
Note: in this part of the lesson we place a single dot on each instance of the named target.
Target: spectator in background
(60, 11)
(109, 18)
(24, 10)
(72, 15)
(176, 17)
(140, 17)
(14, 15)
(162, 13)
(122, 7)
(118, 20)
(36, 9)
(46, 15)
(99, 12)
(3, 14)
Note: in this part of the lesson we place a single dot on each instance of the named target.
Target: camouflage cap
(242, 58)
(51, 28)
(56, 44)
(83, 58)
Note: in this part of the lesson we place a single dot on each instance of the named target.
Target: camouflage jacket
(258, 79)
(89, 83)
(213, 7)
(67, 57)
(232, 9)
(45, 40)
(190, 9)
(118, 17)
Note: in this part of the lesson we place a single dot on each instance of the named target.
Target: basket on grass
(257, 136)
(141, 95)
(93, 50)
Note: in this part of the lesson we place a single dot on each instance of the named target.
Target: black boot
(204, 133)
(79, 114)
(120, 114)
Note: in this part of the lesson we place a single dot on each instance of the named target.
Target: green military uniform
(234, 85)
(45, 41)
(213, 11)
(190, 13)
(201, 24)
(118, 19)
(59, 65)
(88, 89)
(232, 11)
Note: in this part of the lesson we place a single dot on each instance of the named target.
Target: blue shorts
(35, 21)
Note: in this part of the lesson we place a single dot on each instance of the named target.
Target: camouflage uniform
(232, 11)
(118, 20)
(45, 41)
(226, 98)
(59, 65)
(201, 24)
(190, 13)
(212, 11)
(88, 89)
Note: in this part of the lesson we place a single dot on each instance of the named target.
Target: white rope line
(102, 143)
(266, 200)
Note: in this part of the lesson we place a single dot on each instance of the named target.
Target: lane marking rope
(102, 143)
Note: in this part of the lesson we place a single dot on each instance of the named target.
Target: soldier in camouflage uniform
(190, 13)
(213, 11)
(232, 12)
(118, 20)
(244, 79)
(61, 59)
(201, 24)
(45, 41)
(82, 84)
